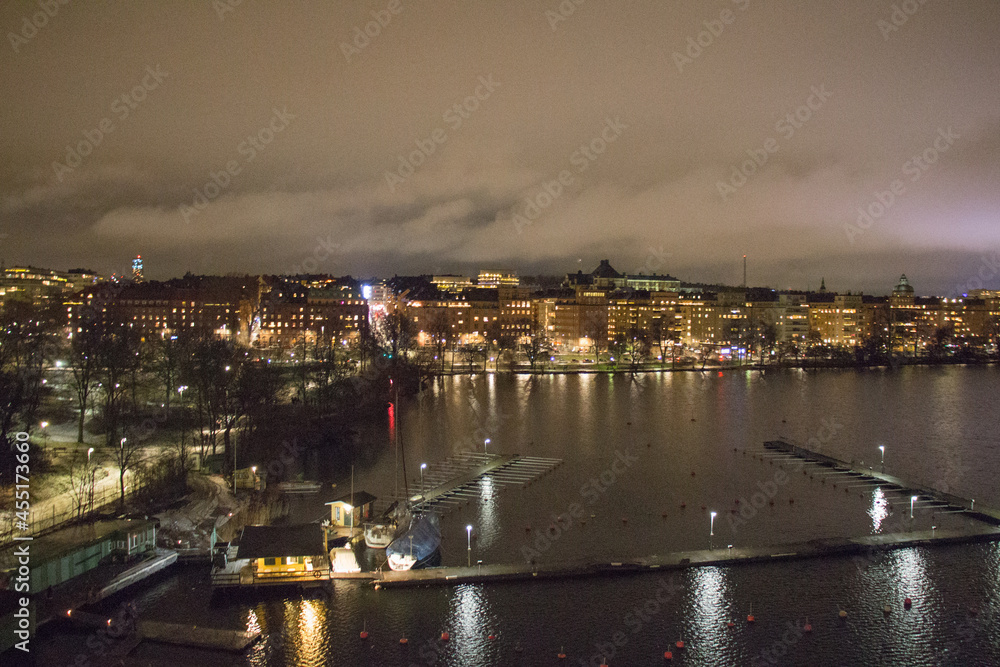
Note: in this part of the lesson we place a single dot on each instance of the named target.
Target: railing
(40, 523)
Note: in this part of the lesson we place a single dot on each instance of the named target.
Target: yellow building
(283, 554)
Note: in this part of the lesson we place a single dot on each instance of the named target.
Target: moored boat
(418, 545)
(379, 534)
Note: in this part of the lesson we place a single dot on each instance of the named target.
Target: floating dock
(985, 527)
(233, 641)
(457, 479)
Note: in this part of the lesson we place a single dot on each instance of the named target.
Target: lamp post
(881, 448)
(89, 452)
(913, 499)
(423, 466)
(484, 445)
(711, 525)
(468, 532)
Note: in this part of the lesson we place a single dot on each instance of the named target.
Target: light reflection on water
(879, 510)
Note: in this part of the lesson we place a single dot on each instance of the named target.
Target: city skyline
(409, 137)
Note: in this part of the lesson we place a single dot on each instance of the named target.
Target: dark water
(677, 438)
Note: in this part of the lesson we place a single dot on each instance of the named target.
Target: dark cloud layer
(275, 134)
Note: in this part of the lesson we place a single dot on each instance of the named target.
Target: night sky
(275, 136)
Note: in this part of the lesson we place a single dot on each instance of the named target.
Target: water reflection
(488, 526)
(879, 509)
(710, 607)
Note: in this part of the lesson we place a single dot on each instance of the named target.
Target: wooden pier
(949, 503)
(455, 480)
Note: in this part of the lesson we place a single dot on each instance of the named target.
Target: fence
(43, 522)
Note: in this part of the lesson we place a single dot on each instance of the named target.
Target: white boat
(380, 534)
(418, 546)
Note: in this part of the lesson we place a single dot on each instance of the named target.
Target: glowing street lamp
(89, 452)
(913, 499)
(423, 466)
(881, 448)
(711, 525)
(486, 443)
(468, 531)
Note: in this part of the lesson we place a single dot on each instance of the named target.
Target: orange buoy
(667, 655)
(750, 618)
(907, 603)
(808, 627)
(403, 640)
(679, 643)
(445, 636)
(492, 637)
(364, 634)
(561, 656)
(843, 614)
(730, 624)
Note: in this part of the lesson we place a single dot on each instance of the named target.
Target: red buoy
(445, 636)
(683, 505)
(750, 618)
(667, 655)
(679, 643)
(561, 656)
(624, 519)
(403, 640)
(364, 634)
(808, 627)
(492, 637)
(907, 603)
(730, 624)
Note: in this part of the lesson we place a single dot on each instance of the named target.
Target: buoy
(679, 643)
(624, 519)
(907, 603)
(843, 614)
(750, 618)
(667, 655)
(703, 508)
(736, 502)
(445, 636)
(561, 655)
(403, 640)
(683, 505)
(604, 662)
(492, 637)
(664, 515)
(807, 627)
(364, 634)
(692, 473)
(378, 586)
(730, 624)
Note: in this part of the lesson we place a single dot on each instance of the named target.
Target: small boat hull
(380, 535)
(418, 545)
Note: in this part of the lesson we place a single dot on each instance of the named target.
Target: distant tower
(744, 270)
(137, 269)
(822, 286)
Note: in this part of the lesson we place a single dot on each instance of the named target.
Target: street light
(486, 443)
(711, 525)
(881, 448)
(423, 466)
(913, 499)
(468, 531)
(89, 452)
